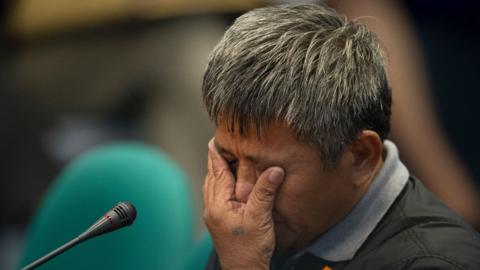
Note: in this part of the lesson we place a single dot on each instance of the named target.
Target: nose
(246, 179)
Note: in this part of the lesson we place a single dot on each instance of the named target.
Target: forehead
(275, 134)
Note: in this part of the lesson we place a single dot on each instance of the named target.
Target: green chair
(160, 238)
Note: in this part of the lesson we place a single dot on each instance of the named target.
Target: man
(300, 173)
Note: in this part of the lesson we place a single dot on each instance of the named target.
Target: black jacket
(418, 232)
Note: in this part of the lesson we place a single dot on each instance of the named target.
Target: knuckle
(264, 195)
(221, 173)
(261, 199)
(215, 172)
(211, 217)
(268, 193)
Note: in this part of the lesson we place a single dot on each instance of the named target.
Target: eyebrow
(251, 158)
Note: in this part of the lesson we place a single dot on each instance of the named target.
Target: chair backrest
(161, 236)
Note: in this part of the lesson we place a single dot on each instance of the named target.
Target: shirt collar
(341, 242)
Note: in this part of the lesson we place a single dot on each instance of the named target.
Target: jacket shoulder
(428, 262)
(420, 231)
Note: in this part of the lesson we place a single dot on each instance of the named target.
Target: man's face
(310, 200)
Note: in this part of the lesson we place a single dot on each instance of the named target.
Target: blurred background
(75, 75)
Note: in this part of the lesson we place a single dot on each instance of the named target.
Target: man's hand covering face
(243, 233)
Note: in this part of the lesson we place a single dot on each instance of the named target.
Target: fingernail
(276, 176)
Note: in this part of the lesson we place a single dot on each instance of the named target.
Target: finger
(209, 163)
(218, 162)
(207, 185)
(206, 192)
(260, 201)
(223, 185)
(209, 181)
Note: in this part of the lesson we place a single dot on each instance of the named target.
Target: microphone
(123, 214)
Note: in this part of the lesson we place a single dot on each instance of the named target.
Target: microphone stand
(123, 214)
(56, 252)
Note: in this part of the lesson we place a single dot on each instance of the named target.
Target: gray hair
(306, 66)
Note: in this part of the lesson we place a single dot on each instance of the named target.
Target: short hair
(321, 74)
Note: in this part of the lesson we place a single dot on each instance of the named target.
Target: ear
(367, 153)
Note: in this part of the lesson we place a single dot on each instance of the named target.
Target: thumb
(263, 194)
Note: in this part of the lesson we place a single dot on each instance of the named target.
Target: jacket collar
(341, 242)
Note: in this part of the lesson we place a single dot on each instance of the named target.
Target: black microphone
(123, 214)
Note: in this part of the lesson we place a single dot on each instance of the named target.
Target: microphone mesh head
(127, 213)
(121, 215)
